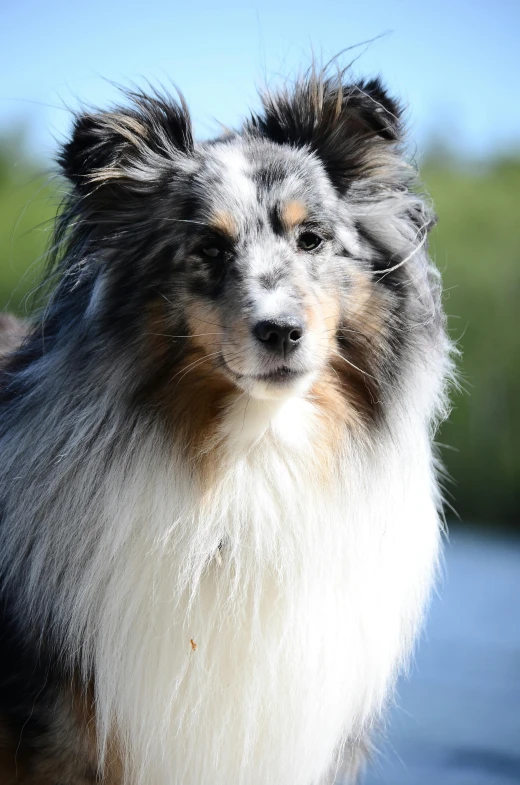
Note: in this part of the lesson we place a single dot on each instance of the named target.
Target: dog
(220, 513)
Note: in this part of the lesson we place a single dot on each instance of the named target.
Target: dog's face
(260, 268)
(276, 259)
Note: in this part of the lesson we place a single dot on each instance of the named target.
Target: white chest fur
(251, 663)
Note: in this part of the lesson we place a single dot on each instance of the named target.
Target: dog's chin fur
(266, 390)
(210, 580)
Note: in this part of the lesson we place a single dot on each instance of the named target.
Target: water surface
(458, 717)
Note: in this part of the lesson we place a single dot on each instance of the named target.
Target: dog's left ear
(127, 148)
(350, 127)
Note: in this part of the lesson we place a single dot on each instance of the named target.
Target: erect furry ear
(346, 125)
(131, 144)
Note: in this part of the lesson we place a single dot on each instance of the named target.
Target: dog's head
(274, 260)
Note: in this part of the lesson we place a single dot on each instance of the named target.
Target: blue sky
(456, 64)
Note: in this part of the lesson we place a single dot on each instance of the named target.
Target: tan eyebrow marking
(224, 222)
(292, 214)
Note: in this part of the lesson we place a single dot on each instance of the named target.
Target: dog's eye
(308, 241)
(213, 252)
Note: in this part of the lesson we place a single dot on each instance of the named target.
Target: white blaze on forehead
(273, 303)
(240, 188)
(262, 257)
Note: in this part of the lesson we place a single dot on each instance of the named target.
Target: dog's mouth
(283, 375)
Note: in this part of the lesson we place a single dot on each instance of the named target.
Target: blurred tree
(477, 247)
(28, 204)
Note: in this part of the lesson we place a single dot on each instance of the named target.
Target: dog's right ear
(130, 146)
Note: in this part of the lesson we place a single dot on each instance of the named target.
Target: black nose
(280, 335)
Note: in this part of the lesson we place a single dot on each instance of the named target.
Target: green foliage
(477, 247)
(28, 204)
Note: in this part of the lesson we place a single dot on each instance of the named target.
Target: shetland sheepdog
(219, 511)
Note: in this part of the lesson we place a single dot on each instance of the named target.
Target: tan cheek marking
(336, 408)
(335, 413)
(312, 317)
(330, 310)
(204, 327)
(292, 214)
(224, 222)
(322, 317)
(335, 403)
(193, 405)
(364, 320)
(238, 347)
(199, 390)
(367, 307)
(194, 392)
(192, 396)
(343, 395)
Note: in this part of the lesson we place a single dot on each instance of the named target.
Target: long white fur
(260, 665)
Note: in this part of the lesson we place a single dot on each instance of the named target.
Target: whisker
(207, 356)
(383, 273)
(365, 373)
(184, 221)
(204, 321)
(196, 364)
(192, 335)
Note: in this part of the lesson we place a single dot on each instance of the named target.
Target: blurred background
(456, 66)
